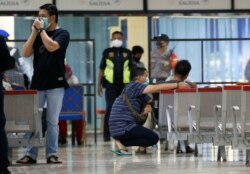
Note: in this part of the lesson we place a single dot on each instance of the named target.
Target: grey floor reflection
(97, 159)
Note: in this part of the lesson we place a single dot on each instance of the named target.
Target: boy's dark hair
(135, 72)
(137, 49)
(52, 10)
(182, 68)
(117, 32)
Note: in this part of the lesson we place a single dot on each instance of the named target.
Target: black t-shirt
(49, 70)
(7, 61)
(118, 56)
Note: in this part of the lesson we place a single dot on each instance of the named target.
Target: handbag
(139, 118)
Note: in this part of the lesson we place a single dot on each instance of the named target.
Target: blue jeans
(138, 136)
(54, 99)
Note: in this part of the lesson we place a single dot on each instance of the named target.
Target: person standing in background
(113, 75)
(162, 60)
(48, 43)
(162, 63)
(137, 52)
(6, 62)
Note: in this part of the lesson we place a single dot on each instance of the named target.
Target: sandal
(26, 160)
(121, 152)
(53, 160)
(138, 151)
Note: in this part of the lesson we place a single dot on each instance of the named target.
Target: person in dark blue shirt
(123, 125)
(6, 62)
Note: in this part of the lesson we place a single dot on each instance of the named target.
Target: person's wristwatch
(40, 30)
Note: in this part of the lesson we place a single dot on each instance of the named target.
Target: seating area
(25, 118)
(207, 115)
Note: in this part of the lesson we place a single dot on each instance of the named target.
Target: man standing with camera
(48, 43)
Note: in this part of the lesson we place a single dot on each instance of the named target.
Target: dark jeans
(4, 162)
(111, 93)
(138, 136)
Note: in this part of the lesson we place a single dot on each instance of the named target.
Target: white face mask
(116, 43)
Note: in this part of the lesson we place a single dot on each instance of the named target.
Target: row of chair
(23, 115)
(218, 115)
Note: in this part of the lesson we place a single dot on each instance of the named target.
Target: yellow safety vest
(109, 71)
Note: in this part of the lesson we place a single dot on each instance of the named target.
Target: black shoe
(179, 151)
(79, 142)
(62, 141)
(4, 170)
(247, 164)
(189, 149)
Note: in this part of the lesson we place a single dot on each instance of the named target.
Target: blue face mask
(46, 23)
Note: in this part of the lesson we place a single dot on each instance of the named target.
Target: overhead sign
(22, 5)
(100, 5)
(241, 4)
(189, 4)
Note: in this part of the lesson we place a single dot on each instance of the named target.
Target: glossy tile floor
(97, 159)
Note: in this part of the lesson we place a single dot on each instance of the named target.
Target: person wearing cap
(6, 62)
(162, 60)
(162, 63)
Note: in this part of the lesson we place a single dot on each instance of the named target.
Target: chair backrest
(208, 98)
(166, 99)
(73, 100)
(183, 99)
(245, 109)
(231, 96)
(21, 110)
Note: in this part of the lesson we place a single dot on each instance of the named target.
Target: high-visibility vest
(109, 71)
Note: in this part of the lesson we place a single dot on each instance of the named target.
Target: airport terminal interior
(214, 36)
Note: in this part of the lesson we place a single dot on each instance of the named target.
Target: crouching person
(130, 110)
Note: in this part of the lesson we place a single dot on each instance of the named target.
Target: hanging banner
(22, 5)
(241, 4)
(100, 5)
(189, 4)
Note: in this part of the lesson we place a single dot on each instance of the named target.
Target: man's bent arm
(28, 46)
(49, 43)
